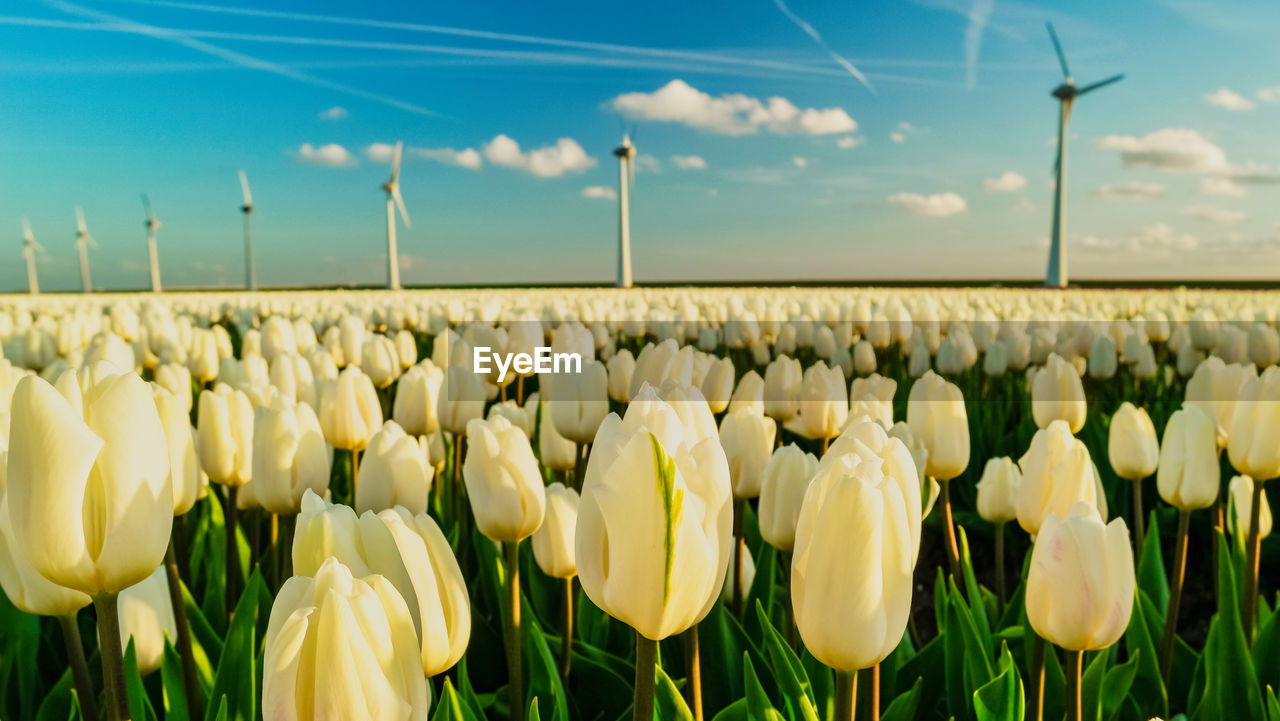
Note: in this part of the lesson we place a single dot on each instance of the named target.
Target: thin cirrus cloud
(850, 141)
(336, 112)
(1222, 187)
(938, 205)
(1133, 190)
(330, 155)
(468, 158)
(599, 192)
(817, 38)
(730, 113)
(689, 162)
(1228, 99)
(550, 161)
(1214, 214)
(1009, 182)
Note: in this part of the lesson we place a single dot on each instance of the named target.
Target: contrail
(512, 38)
(232, 56)
(979, 14)
(808, 29)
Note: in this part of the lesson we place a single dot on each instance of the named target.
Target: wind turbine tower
(626, 154)
(152, 225)
(83, 242)
(1066, 93)
(29, 248)
(394, 201)
(250, 280)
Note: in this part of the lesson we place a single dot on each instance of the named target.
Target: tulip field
(801, 504)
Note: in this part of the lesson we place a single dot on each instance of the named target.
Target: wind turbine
(152, 225)
(394, 201)
(29, 248)
(1066, 93)
(626, 154)
(250, 280)
(83, 242)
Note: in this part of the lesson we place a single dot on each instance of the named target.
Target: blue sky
(1174, 172)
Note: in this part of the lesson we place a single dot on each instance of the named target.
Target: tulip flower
(782, 382)
(784, 480)
(620, 368)
(929, 487)
(747, 439)
(521, 417)
(1102, 358)
(349, 410)
(936, 415)
(997, 504)
(184, 463)
(1080, 588)
(1216, 387)
(1240, 511)
(1057, 394)
(1188, 472)
(408, 550)
(340, 647)
(556, 451)
(823, 405)
(717, 385)
(1057, 473)
(462, 397)
(1134, 453)
(417, 399)
(749, 395)
(579, 402)
(553, 549)
(857, 540)
(89, 492)
(729, 591)
(1254, 452)
(146, 616)
(290, 455)
(393, 472)
(225, 433)
(873, 397)
(654, 526)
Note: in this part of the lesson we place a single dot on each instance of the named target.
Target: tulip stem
(646, 672)
(846, 695)
(112, 656)
(953, 548)
(233, 553)
(579, 465)
(875, 692)
(1175, 595)
(79, 667)
(791, 609)
(693, 662)
(566, 643)
(355, 472)
(1037, 678)
(1000, 584)
(515, 681)
(1250, 601)
(1139, 527)
(739, 545)
(1075, 665)
(520, 390)
(190, 682)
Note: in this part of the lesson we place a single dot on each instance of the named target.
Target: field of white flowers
(807, 504)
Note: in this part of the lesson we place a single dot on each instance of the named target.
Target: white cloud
(601, 192)
(1270, 95)
(902, 131)
(1225, 187)
(1162, 236)
(850, 141)
(329, 156)
(1007, 183)
(937, 205)
(799, 162)
(1225, 98)
(897, 137)
(689, 162)
(379, 152)
(1253, 173)
(1214, 214)
(648, 163)
(550, 161)
(1175, 150)
(337, 112)
(1132, 189)
(731, 113)
(467, 158)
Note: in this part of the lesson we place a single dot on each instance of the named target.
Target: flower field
(741, 503)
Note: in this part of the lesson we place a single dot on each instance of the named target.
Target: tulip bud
(408, 550)
(864, 358)
(1188, 476)
(1255, 426)
(824, 403)
(341, 647)
(203, 360)
(860, 520)
(747, 439)
(556, 451)
(88, 484)
(782, 381)
(998, 490)
(406, 349)
(1080, 586)
(393, 472)
(1216, 388)
(749, 395)
(717, 385)
(462, 397)
(503, 481)
(290, 455)
(1102, 358)
(1131, 443)
(379, 360)
(177, 380)
(929, 488)
(784, 481)
(1240, 506)
(748, 577)
(873, 397)
(417, 398)
(655, 522)
(1057, 394)
(184, 464)
(349, 409)
(918, 362)
(553, 545)
(996, 360)
(225, 432)
(1057, 473)
(146, 616)
(620, 368)
(579, 402)
(936, 414)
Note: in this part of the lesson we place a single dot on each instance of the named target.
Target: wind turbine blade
(81, 228)
(404, 214)
(395, 163)
(631, 169)
(27, 235)
(1057, 46)
(244, 189)
(146, 205)
(92, 243)
(1101, 83)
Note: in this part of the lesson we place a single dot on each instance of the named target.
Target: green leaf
(237, 675)
(1000, 699)
(1266, 652)
(1148, 686)
(793, 683)
(736, 711)
(1231, 688)
(139, 705)
(533, 710)
(759, 708)
(928, 666)
(977, 608)
(1095, 671)
(903, 708)
(721, 643)
(543, 675)
(447, 706)
(1115, 688)
(668, 704)
(176, 707)
(968, 663)
(1273, 705)
(1151, 575)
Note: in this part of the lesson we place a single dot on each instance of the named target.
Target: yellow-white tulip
(1131, 443)
(1057, 473)
(349, 410)
(749, 395)
(393, 472)
(146, 616)
(620, 367)
(553, 544)
(782, 380)
(184, 464)
(1189, 475)
(557, 452)
(824, 403)
(1058, 394)
(1255, 426)
(936, 415)
(717, 384)
(224, 427)
(462, 396)
(1216, 387)
(417, 399)
(503, 481)
(1240, 505)
(579, 402)
(747, 439)
(998, 490)
(290, 455)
